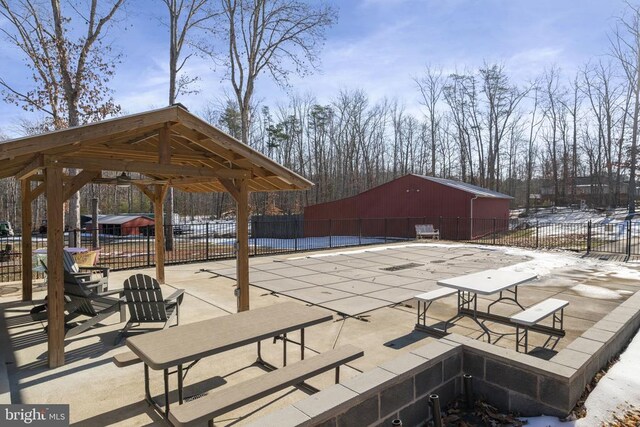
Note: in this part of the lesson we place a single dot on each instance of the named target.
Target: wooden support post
(242, 236)
(55, 269)
(239, 190)
(95, 233)
(160, 191)
(27, 247)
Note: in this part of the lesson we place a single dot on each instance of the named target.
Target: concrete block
(364, 413)
(608, 325)
(285, 417)
(328, 423)
(632, 302)
(330, 401)
(396, 396)
(370, 381)
(405, 364)
(491, 393)
(473, 364)
(554, 392)
(627, 311)
(585, 346)
(447, 392)
(571, 358)
(623, 318)
(528, 407)
(576, 388)
(512, 378)
(452, 366)
(386, 422)
(429, 379)
(415, 414)
(437, 349)
(600, 335)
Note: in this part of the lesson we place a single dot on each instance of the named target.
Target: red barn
(123, 225)
(460, 210)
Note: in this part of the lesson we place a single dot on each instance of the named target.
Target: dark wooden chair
(144, 299)
(85, 298)
(72, 271)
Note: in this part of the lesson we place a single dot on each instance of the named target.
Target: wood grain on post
(27, 246)
(55, 269)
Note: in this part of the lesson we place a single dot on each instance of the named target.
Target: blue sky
(377, 46)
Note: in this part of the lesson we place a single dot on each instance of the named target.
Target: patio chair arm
(103, 270)
(112, 292)
(175, 297)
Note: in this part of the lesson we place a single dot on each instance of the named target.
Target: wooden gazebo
(171, 148)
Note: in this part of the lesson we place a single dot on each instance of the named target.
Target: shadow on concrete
(129, 412)
(405, 340)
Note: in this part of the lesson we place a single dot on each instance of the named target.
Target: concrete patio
(377, 314)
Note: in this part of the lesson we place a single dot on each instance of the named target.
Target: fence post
(385, 230)
(494, 231)
(296, 227)
(628, 239)
(439, 226)
(537, 234)
(360, 231)
(330, 231)
(408, 227)
(458, 228)
(148, 246)
(206, 241)
(589, 237)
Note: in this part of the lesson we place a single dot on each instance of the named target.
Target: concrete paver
(101, 394)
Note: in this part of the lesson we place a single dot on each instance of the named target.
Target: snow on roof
(469, 188)
(118, 219)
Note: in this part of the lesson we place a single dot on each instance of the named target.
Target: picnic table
(488, 282)
(187, 344)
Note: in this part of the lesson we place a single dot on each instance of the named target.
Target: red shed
(459, 209)
(123, 225)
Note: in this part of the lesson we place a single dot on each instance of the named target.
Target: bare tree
(70, 64)
(431, 86)
(625, 45)
(184, 16)
(272, 36)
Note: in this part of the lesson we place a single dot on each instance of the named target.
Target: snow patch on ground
(616, 392)
(596, 292)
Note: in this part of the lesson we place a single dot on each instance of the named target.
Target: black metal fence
(195, 242)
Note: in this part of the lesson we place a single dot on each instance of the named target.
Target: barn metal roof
(469, 188)
(118, 219)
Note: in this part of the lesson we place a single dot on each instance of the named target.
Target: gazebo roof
(197, 157)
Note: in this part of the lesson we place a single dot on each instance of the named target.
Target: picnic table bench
(187, 344)
(529, 319)
(224, 400)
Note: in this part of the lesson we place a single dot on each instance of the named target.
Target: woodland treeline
(565, 137)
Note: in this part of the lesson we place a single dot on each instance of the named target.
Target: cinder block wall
(399, 388)
(512, 381)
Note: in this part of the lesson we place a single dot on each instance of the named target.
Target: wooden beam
(38, 190)
(79, 181)
(91, 132)
(231, 189)
(228, 142)
(242, 236)
(55, 269)
(158, 213)
(147, 192)
(164, 146)
(31, 168)
(144, 167)
(27, 246)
